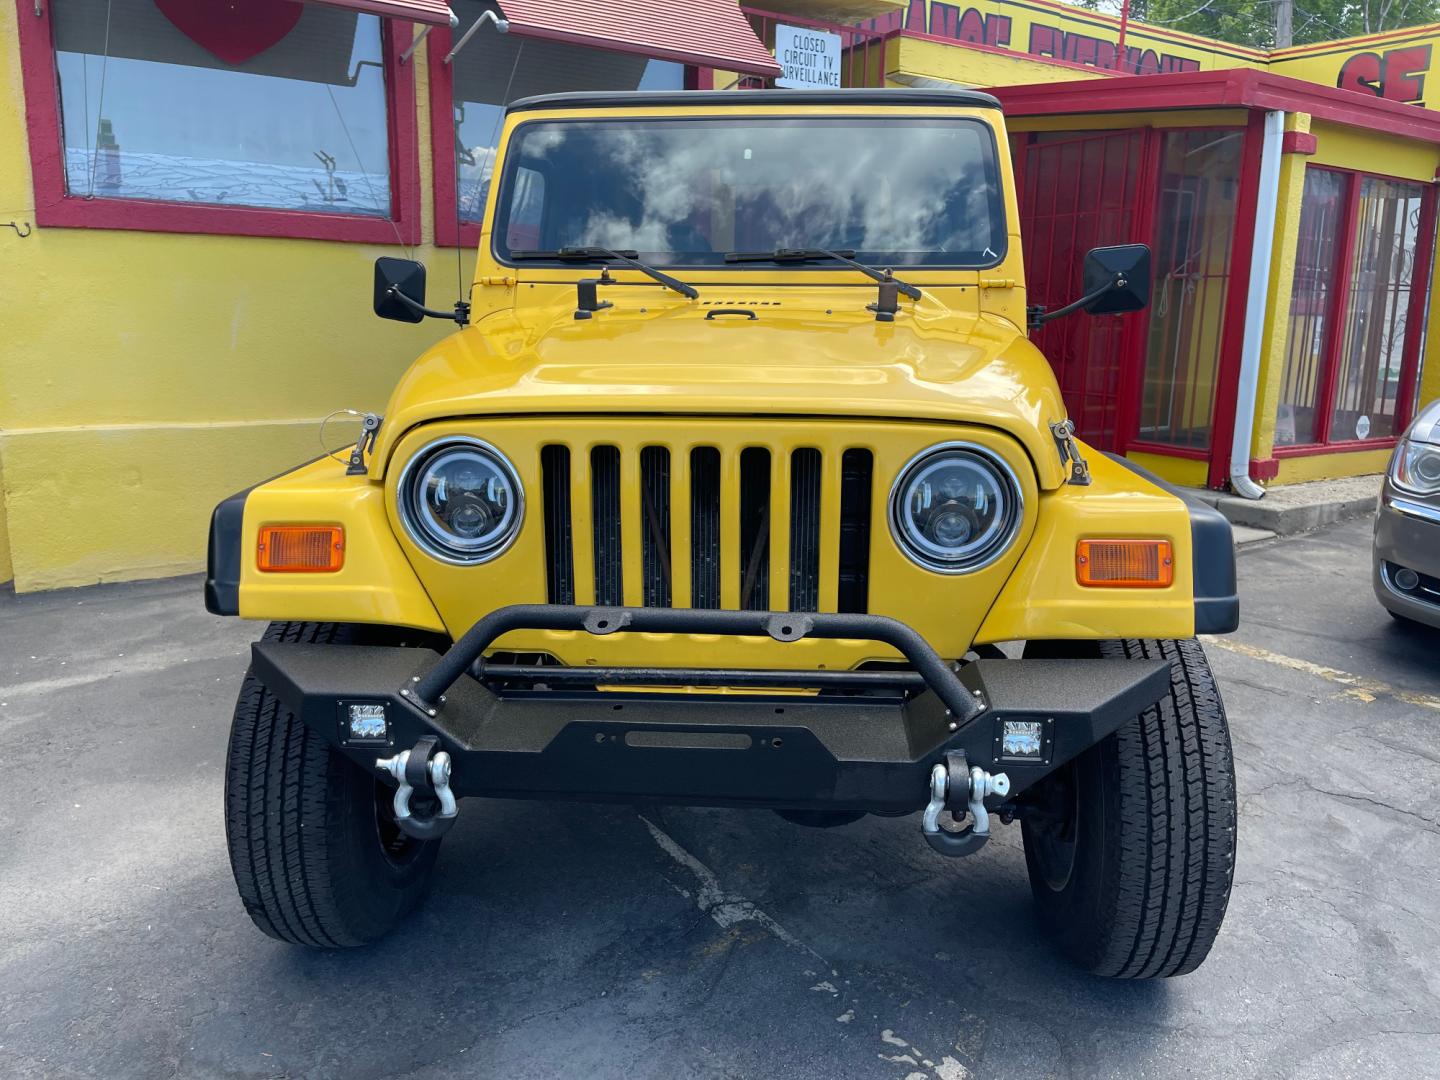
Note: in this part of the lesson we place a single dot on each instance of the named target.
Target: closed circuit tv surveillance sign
(810, 58)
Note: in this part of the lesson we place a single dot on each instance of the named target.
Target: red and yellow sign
(1396, 66)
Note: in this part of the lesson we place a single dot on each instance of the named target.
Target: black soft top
(619, 99)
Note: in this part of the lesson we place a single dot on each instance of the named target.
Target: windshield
(897, 191)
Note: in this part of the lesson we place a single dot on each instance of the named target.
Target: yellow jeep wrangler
(739, 485)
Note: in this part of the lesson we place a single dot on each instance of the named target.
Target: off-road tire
(315, 859)
(1153, 827)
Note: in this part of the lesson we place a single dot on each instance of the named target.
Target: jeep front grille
(716, 527)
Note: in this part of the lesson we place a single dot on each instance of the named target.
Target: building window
(1311, 304)
(1382, 273)
(1194, 230)
(149, 111)
(1356, 316)
(494, 69)
(271, 121)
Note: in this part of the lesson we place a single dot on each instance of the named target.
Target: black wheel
(1131, 846)
(314, 847)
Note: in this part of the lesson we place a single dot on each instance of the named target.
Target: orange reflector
(306, 549)
(1125, 564)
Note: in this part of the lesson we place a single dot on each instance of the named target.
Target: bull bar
(863, 740)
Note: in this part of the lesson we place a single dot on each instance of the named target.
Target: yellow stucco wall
(6, 573)
(1430, 372)
(1373, 151)
(1296, 470)
(145, 376)
(909, 58)
(1185, 471)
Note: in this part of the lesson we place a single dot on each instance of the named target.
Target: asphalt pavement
(599, 941)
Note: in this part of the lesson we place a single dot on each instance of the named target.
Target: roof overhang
(706, 33)
(842, 12)
(432, 12)
(1230, 88)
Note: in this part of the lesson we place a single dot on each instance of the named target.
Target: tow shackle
(956, 785)
(427, 770)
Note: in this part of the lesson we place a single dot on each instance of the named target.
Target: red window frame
(55, 207)
(1227, 372)
(1338, 300)
(450, 231)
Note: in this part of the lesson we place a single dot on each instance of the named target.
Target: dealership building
(194, 191)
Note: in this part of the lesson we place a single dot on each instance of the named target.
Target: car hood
(692, 359)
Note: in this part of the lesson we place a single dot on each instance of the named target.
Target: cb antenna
(502, 26)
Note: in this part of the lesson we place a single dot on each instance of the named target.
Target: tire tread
(1164, 860)
(1177, 820)
(280, 783)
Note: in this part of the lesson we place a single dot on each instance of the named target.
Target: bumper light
(1125, 564)
(365, 725)
(304, 549)
(1022, 740)
(1406, 579)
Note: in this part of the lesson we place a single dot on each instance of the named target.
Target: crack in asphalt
(1292, 780)
(727, 909)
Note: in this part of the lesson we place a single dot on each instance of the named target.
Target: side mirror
(1117, 279)
(405, 278)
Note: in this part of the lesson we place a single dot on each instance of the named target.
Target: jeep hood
(671, 360)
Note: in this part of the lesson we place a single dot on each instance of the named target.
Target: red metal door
(1078, 192)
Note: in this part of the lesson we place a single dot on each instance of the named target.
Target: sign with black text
(811, 58)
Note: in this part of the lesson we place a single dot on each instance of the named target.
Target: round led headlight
(955, 508)
(461, 500)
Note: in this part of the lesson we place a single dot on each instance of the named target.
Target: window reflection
(1350, 316)
(1194, 230)
(1311, 304)
(154, 111)
(494, 69)
(1382, 272)
(685, 192)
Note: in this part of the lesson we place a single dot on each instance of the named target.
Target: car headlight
(1417, 467)
(461, 500)
(955, 508)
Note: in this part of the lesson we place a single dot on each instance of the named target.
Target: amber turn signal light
(1125, 564)
(300, 549)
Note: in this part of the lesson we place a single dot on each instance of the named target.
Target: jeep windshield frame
(905, 190)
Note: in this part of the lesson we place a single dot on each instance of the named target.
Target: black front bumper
(865, 741)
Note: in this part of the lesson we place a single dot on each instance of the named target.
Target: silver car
(1407, 527)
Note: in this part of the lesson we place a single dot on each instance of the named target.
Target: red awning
(707, 33)
(435, 12)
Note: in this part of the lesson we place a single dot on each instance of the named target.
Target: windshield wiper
(622, 255)
(845, 256)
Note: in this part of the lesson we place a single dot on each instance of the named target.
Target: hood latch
(1063, 432)
(369, 426)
